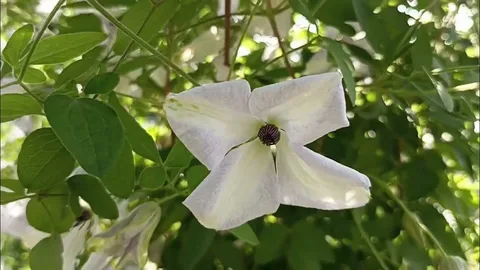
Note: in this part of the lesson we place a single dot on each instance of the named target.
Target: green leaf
(244, 232)
(344, 62)
(102, 83)
(141, 142)
(121, 177)
(422, 55)
(446, 98)
(13, 184)
(74, 202)
(68, 89)
(308, 247)
(34, 76)
(61, 48)
(196, 241)
(152, 177)
(43, 160)
(133, 19)
(302, 7)
(14, 106)
(229, 256)
(195, 176)
(272, 243)
(179, 156)
(94, 193)
(89, 129)
(415, 172)
(76, 71)
(8, 197)
(47, 254)
(374, 27)
(51, 213)
(17, 44)
(81, 23)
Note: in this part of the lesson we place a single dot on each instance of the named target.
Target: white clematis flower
(230, 130)
(128, 239)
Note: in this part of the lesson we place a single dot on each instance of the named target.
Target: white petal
(309, 179)
(211, 119)
(97, 260)
(306, 108)
(241, 188)
(73, 244)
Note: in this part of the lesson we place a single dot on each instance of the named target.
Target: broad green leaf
(61, 48)
(244, 232)
(152, 177)
(14, 106)
(344, 62)
(13, 185)
(195, 176)
(76, 71)
(89, 129)
(179, 156)
(94, 193)
(141, 142)
(68, 89)
(81, 23)
(43, 160)
(17, 44)
(102, 83)
(47, 254)
(74, 202)
(336, 13)
(34, 76)
(196, 243)
(51, 213)
(272, 243)
(121, 177)
(308, 247)
(8, 197)
(157, 21)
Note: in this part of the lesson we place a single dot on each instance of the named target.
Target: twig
(273, 23)
(365, 236)
(226, 53)
(9, 84)
(31, 93)
(130, 44)
(140, 41)
(37, 39)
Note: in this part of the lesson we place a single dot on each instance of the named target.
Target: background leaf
(47, 254)
(14, 106)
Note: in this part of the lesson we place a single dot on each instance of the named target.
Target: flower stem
(273, 23)
(130, 44)
(409, 213)
(244, 32)
(356, 219)
(37, 39)
(140, 41)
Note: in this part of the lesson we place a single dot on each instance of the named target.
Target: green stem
(273, 23)
(31, 93)
(409, 213)
(454, 69)
(140, 41)
(37, 39)
(158, 104)
(169, 198)
(365, 236)
(244, 32)
(130, 44)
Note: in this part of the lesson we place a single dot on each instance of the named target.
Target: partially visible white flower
(231, 129)
(126, 85)
(159, 76)
(208, 43)
(221, 70)
(14, 222)
(319, 63)
(127, 239)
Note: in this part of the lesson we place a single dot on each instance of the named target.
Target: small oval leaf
(94, 193)
(17, 44)
(47, 254)
(153, 177)
(102, 83)
(120, 180)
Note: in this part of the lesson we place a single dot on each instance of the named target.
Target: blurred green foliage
(410, 67)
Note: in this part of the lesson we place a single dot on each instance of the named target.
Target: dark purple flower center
(269, 134)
